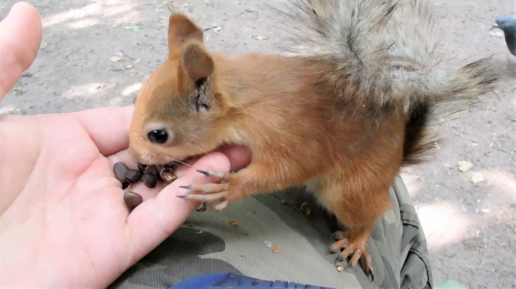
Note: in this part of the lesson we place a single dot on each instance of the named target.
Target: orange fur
(293, 118)
(293, 124)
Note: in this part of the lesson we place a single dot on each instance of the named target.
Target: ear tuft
(197, 62)
(181, 29)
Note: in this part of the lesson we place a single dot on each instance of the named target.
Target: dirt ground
(97, 53)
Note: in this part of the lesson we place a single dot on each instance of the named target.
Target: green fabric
(208, 243)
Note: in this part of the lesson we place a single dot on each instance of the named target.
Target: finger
(239, 156)
(154, 220)
(125, 157)
(107, 127)
(20, 37)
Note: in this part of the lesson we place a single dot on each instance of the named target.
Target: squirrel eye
(204, 107)
(158, 136)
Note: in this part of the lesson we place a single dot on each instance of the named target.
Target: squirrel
(342, 116)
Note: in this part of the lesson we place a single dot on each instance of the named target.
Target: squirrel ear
(181, 29)
(198, 64)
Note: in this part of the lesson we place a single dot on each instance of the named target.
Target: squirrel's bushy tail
(384, 52)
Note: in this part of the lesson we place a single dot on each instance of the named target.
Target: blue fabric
(227, 281)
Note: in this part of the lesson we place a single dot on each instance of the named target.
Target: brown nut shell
(133, 176)
(167, 174)
(149, 180)
(120, 170)
(125, 184)
(132, 199)
(151, 170)
(141, 167)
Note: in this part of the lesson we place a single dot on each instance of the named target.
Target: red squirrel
(341, 117)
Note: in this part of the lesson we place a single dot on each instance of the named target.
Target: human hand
(63, 221)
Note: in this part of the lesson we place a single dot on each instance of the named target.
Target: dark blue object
(508, 25)
(228, 281)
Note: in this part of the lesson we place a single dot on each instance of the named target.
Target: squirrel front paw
(213, 196)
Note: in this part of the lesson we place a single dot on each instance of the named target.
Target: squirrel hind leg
(357, 208)
(353, 243)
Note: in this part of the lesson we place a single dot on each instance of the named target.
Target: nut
(276, 250)
(151, 170)
(125, 184)
(173, 166)
(120, 170)
(132, 199)
(133, 176)
(167, 174)
(141, 167)
(235, 223)
(149, 180)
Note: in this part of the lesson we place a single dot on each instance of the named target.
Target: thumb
(155, 219)
(20, 37)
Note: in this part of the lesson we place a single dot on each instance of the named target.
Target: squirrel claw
(354, 249)
(202, 208)
(213, 196)
(222, 176)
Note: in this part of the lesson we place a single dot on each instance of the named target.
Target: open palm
(63, 221)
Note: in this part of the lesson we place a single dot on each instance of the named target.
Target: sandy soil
(97, 53)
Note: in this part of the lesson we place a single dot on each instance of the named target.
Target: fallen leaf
(115, 58)
(464, 166)
(43, 45)
(136, 27)
(498, 34)
(261, 37)
(477, 178)
(214, 28)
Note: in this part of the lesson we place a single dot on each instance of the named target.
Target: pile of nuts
(149, 175)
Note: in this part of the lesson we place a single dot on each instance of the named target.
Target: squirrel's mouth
(190, 160)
